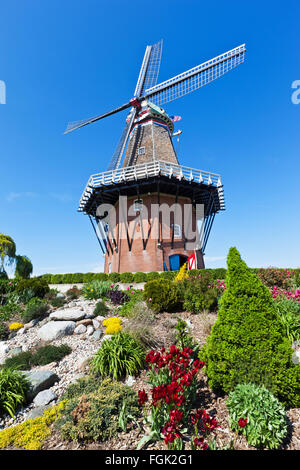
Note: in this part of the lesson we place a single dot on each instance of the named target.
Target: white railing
(148, 170)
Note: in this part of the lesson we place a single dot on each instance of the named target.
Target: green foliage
(152, 276)
(3, 275)
(42, 356)
(9, 310)
(289, 317)
(266, 420)
(3, 331)
(246, 342)
(275, 277)
(140, 277)
(24, 267)
(161, 295)
(94, 415)
(31, 434)
(13, 388)
(126, 277)
(34, 309)
(73, 293)
(127, 307)
(114, 277)
(96, 289)
(7, 250)
(119, 356)
(57, 302)
(198, 295)
(100, 309)
(39, 286)
(169, 275)
(50, 353)
(140, 325)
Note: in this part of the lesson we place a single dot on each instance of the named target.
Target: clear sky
(65, 60)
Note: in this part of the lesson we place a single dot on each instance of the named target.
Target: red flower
(242, 422)
(199, 442)
(143, 397)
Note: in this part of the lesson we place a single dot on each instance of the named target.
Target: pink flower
(150, 300)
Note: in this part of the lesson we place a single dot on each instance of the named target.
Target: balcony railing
(148, 170)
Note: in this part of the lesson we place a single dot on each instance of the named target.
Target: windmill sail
(196, 77)
(116, 158)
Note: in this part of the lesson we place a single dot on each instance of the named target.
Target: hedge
(73, 278)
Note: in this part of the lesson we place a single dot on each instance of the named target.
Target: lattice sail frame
(196, 77)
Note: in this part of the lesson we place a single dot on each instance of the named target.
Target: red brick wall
(151, 258)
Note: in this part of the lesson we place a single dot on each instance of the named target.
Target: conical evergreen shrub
(246, 343)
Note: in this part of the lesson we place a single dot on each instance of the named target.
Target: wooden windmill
(137, 237)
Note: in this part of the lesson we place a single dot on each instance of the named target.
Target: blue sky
(71, 59)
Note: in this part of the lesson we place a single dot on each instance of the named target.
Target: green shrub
(246, 342)
(3, 331)
(9, 310)
(126, 277)
(96, 289)
(140, 326)
(266, 420)
(57, 302)
(101, 276)
(161, 295)
(73, 293)
(168, 275)
(198, 295)
(34, 309)
(13, 388)
(270, 277)
(114, 277)
(88, 277)
(39, 286)
(42, 356)
(140, 277)
(100, 309)
(120, 356)
(96, 415)
(125, 310)
(152, 276)
(289, 316)
(50, 353)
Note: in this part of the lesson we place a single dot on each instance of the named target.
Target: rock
(106, 337)
(55, 330)
(130, 381)
(4, 349)
(83, 364)
(21, 331)
(97, 334)
(36, 412)
(89, 315)
(15, 351)
(44, 398)
(59, 295)
(85, 321)
(80, 329)
(31, 324)
(96, 324)
(296, 357)
(67, 315)
(39, 380)
(100, 319)
(89, 330)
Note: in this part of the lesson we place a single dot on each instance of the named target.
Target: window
(177, 230)
(141, 151)
(138, 205)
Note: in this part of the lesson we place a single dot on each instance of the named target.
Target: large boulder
(56, 329)
(44, 397)
(67, 315)
(39, 380)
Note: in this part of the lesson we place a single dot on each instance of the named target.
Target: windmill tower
(149, 212)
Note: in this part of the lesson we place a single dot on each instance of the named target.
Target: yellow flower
(15, 326)
(182, 273)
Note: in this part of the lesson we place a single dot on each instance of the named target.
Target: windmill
(151, 171)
